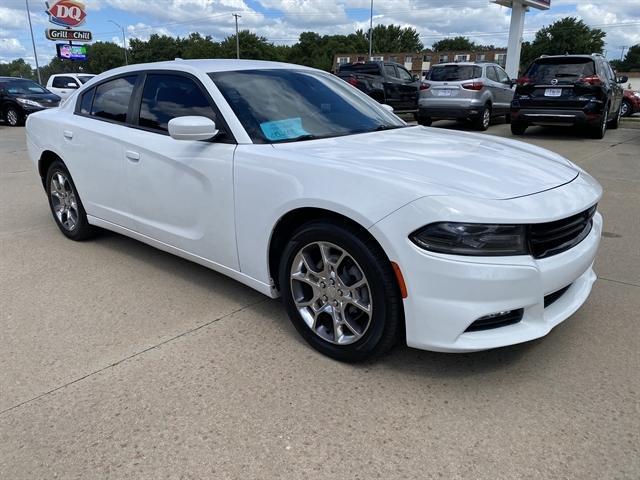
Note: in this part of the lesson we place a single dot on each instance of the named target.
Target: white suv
(63, 84)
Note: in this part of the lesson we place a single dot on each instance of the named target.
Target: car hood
(443, 162)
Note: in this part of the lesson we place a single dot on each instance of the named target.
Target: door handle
(68, 134)
(133, 156)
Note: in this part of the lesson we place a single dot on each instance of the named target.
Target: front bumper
(447, 293)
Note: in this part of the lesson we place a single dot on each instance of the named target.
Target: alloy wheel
(624, 109)
(486, 118)
(605, 119)
(63, 200)
(331, 293)
(12, 117)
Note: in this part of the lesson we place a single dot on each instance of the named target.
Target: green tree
(452, 44)
(252, 47)
(156, 49)
(17, 68)
(197, 46)
(103, 56)
(631, 62)
(393, 38)
(568, 35)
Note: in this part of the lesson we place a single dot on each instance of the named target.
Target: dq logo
(66, 13)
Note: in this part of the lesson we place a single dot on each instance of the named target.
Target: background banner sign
(71, 35)
(66, 13)
(71, 52)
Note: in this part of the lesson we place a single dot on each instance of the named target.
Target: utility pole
(371, 31)
(33, 42)
(237, 37)
(622, 54)
(124, 41)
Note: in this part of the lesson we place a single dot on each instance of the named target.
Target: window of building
(393, 58)
(343, 60)
(111, 100)
(462, 58)
(61, 82)
(377, 58)
(444, 58)
(169, 96)
(426, 58)
(481, 57)
(408, 59)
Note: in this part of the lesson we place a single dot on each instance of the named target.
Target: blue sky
(281, 21)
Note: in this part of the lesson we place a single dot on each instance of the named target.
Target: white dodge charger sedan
(298, 185)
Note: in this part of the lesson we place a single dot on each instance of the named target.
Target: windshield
(454, 73)
(85, 78)
(290, 105)
(563, 69)
(21, 86)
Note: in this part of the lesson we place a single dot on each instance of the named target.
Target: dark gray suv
(465, 91)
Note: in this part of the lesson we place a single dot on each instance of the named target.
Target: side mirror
(192, 128)
(622, 79)
(388, 108)
(72, 85)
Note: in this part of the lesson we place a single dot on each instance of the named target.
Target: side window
(404, 75)
(502, 75)
(111, 100)
(390, 71)
(62, 82)
(86, 101)
(491, 73)
(169, 96)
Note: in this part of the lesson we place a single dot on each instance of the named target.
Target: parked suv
(20, 97)
(465, 91)
(387, 82)
(64, 84)
(568, 90)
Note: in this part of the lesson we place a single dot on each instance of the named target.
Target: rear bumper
(450, 113)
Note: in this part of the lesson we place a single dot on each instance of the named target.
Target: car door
(409, 89)
(504, 89)
(92, 148)
(181, 190)
(617, 92)
(391, 86)
(64, 86)
(493, 85)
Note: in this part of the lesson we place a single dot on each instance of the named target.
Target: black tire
(599, 130)
(13, 116)
(615, 123)
(385, 297)
(507, 118)
(518, 128)
(425, 121)
(626, 108)
(81, 230)
(483, 120)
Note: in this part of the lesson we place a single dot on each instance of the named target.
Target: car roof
(571, 55)
(213, 65)
(464, 64)
(72, 73)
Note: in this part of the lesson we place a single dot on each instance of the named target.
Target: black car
(19, 97)
(568, 90)
(387, 82)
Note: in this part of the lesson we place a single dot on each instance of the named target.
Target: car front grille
(547, 239)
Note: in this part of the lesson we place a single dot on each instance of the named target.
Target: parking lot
(120, 361)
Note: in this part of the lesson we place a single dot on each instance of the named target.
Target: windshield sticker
(283, 129)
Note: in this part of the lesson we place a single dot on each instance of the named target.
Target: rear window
(453, 73)
(361, 68)
(562, 69)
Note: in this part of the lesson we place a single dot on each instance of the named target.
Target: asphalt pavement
(118, 361)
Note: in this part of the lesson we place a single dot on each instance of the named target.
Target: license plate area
(553, 92)
(443, 92)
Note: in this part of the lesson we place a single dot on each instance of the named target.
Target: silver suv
(465, 91)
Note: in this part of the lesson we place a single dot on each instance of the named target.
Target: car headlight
(26, 101)
(472, 239)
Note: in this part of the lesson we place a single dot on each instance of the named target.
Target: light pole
(33, 42)
(371, 31)
(124, 41)
(237, 37)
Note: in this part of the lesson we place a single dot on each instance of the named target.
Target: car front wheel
(14, 117)
(340, 291)
(65, 203)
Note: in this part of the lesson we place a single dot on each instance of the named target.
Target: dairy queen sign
(66, 13)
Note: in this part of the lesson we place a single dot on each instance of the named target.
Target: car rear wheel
(625, 109)
(340, 291)
(518, 128)
(483, 120)
(14, 117)
(65, 203)
(598, 131)
(425, 121)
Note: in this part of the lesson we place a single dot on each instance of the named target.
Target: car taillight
(524, 81)
(592, 80)
(473, 86)
(353, 81)
(425, 86)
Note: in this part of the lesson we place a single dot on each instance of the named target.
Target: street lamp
(124, 41)
(33, 42)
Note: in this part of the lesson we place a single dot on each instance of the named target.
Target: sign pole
(237, 37)
(33, 42)
(516, 29)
